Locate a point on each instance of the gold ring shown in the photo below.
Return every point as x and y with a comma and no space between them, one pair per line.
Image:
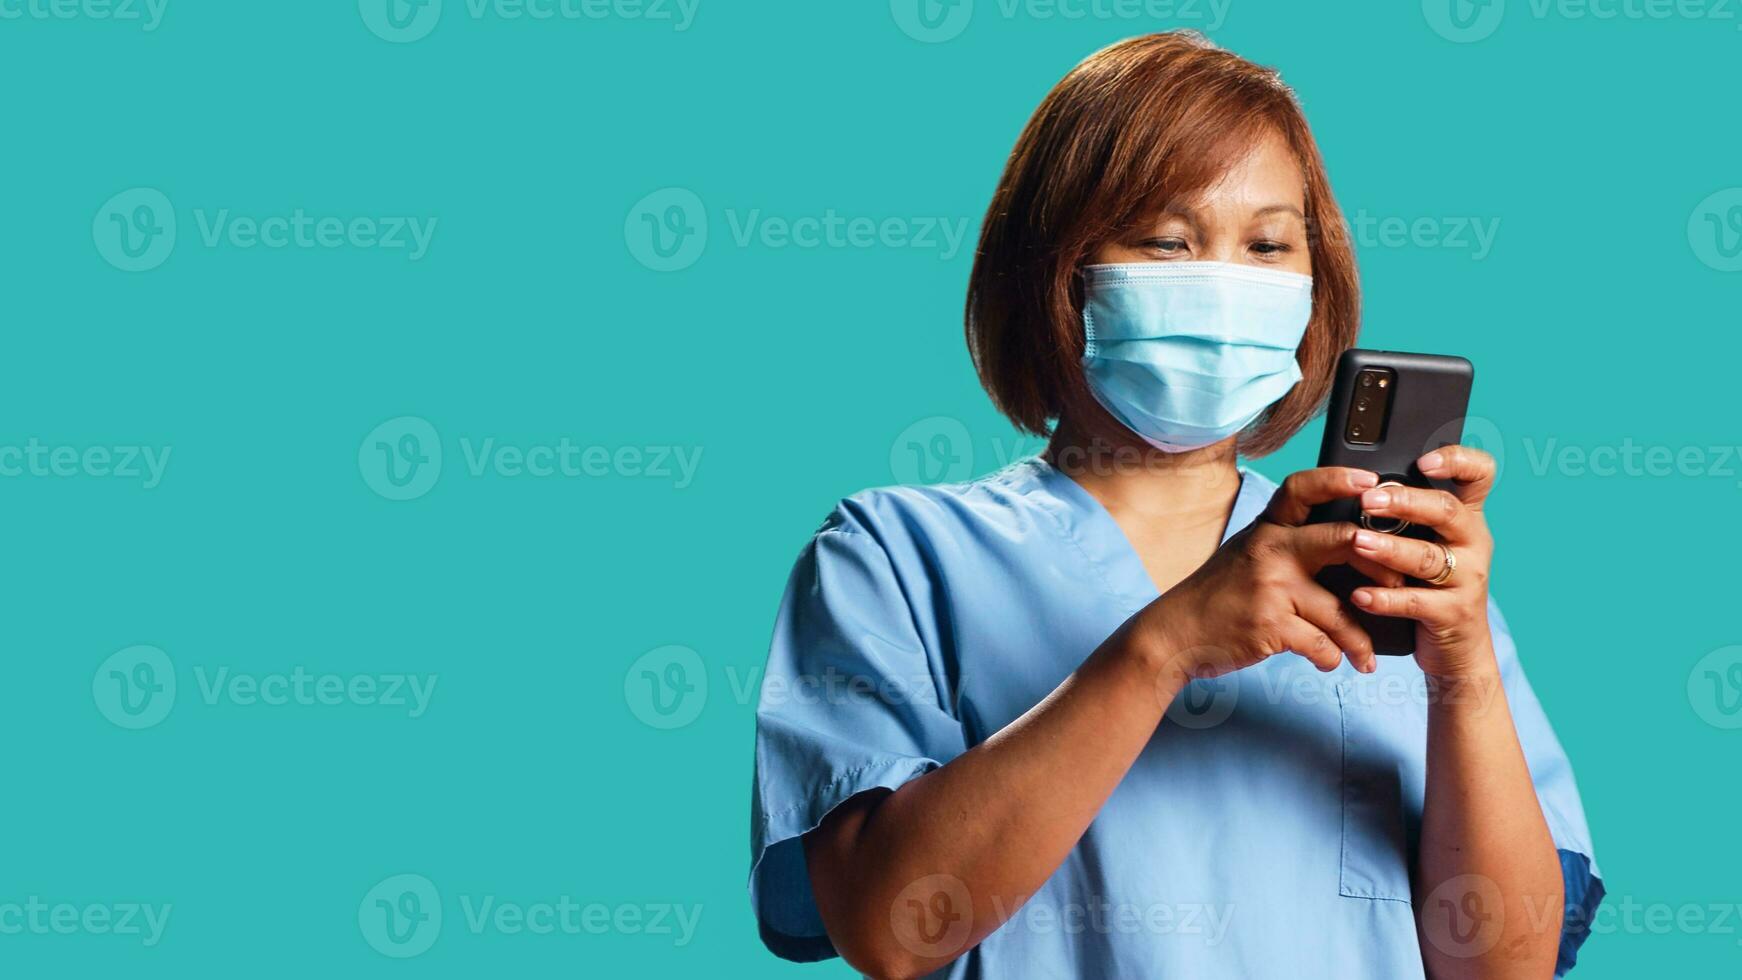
1445,574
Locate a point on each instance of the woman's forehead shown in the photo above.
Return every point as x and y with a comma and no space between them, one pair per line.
1266,179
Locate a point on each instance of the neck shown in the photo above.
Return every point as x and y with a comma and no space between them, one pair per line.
1133,479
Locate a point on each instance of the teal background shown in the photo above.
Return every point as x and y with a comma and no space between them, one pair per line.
1599,315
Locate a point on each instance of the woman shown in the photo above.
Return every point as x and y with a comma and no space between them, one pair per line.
1091,716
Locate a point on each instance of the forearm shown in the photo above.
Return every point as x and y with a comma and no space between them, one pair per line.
1484,841
997,821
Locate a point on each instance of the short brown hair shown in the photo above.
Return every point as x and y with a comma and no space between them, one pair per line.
1149,120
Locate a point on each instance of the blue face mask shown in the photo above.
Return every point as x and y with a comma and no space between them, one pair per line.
1186,354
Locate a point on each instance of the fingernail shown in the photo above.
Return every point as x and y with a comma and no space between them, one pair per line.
1362,597
1368,667
1375,498
1363,480
1432,461
1366,540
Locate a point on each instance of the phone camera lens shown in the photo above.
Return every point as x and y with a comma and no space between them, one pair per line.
1366,380
1357,431
1362,404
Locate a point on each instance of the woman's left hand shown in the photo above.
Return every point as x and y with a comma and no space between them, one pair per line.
1452,635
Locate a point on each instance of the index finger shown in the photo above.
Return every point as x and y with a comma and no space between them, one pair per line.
1308,488
1471,469
1318,545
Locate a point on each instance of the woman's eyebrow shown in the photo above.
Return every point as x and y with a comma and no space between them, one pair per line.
1185,214
1279,209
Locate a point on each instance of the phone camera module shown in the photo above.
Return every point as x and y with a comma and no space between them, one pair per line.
1370,407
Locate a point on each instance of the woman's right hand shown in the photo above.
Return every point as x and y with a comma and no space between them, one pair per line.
1256,596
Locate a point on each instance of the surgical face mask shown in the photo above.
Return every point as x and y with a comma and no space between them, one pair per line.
1186,354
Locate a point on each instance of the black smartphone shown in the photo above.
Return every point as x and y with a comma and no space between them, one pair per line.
1388,409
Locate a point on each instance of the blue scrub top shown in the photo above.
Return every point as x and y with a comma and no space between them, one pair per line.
1269,827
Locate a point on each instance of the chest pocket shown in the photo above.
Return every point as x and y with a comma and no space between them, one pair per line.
1382,737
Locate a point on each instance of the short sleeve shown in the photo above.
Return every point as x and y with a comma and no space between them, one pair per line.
1552,773
850,702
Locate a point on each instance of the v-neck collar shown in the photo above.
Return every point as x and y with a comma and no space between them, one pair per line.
1086,521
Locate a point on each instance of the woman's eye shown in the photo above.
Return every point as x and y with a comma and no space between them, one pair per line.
1166,246
1269,248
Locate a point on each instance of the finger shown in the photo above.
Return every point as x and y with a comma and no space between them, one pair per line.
1376,573
1435,607
1302,491
1437,509
1318,545
1424,560
1311,642
1471,469
1327,612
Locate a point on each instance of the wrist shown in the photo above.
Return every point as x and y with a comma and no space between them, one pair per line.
1465,681
1156,650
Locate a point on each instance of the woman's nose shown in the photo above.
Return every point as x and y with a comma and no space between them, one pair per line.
1217,250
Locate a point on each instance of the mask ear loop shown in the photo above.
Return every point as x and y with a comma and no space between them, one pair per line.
1080,299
